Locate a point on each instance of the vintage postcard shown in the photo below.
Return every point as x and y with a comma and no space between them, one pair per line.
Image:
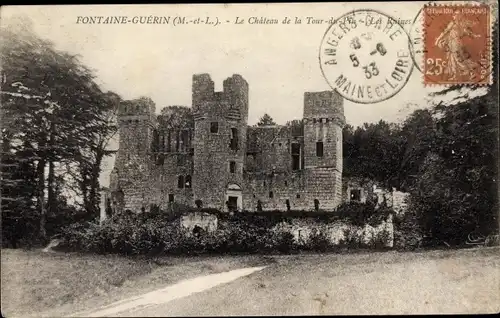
250,159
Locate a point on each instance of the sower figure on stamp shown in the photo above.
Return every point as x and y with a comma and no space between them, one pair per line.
451,41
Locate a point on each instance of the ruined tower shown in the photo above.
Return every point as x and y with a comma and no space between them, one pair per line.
129,179
219,141
323,123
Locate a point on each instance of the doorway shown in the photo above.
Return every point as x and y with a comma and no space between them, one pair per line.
234,200
232,203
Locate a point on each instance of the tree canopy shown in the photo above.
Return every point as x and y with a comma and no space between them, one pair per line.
266,120
176,117
445,156
56,123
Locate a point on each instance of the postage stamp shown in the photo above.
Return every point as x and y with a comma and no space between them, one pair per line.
457,44
365,55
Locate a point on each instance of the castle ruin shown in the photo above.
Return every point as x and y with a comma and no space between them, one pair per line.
218,161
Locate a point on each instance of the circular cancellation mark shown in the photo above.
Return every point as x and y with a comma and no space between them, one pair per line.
366,56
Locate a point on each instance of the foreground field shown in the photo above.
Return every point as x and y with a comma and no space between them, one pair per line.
36,283
454,281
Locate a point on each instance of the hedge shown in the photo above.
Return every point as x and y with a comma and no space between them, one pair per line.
241,232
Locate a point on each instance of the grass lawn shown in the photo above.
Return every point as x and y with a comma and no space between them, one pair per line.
361,283
54,284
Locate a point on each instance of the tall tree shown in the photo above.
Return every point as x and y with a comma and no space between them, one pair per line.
266,120
373,151
418,137
456,188
91,155
51,109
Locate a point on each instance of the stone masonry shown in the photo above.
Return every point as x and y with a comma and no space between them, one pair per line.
223,163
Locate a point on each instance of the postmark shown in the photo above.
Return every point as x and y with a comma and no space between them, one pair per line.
417,41
365,55
457,44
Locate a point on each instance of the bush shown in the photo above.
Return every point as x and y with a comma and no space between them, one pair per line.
131,234
319,242
349,240
380,215
152,233
355,212
282,242
407,231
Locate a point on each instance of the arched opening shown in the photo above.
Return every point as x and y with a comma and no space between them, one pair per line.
259,206
316,204
197,231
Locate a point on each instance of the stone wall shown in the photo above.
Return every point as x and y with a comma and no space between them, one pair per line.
103,203
206,221
269,149
370,190
323,123
132,186
357,189
300,188
303,228
400,201
173,179
274,189
323,185
220,138
130,178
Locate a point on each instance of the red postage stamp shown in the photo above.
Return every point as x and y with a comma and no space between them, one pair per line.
457,41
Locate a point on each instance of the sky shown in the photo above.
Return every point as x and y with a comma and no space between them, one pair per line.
279,61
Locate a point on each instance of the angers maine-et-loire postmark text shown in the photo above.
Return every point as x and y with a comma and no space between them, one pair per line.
366,56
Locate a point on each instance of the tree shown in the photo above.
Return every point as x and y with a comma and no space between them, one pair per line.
173,122
462,195
445,156
91,155
296,127
176,117
52,114
266,120
17,193
456,191
373,151
418,136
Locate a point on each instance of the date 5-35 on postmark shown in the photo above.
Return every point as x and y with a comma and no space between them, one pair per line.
457,41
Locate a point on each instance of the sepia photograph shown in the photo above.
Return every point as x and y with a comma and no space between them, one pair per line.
270,159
